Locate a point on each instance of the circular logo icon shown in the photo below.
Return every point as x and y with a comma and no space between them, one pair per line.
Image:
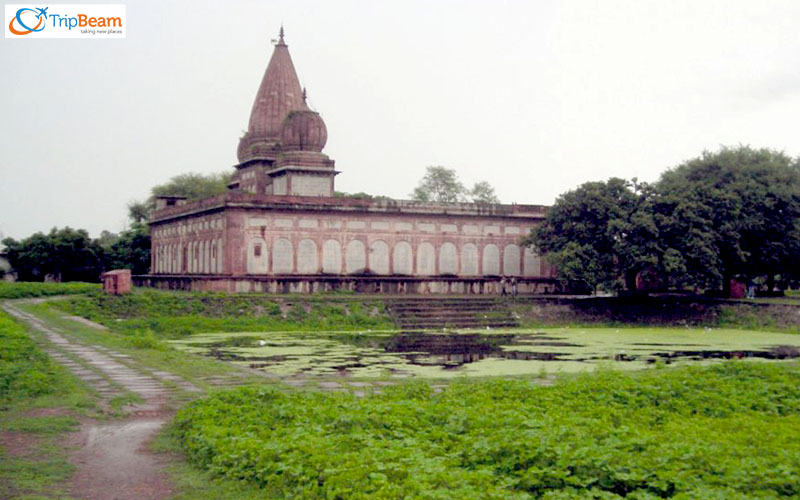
24,29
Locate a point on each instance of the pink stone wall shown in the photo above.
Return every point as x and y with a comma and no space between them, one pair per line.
241,241
367,284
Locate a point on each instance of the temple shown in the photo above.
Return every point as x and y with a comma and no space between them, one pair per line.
279,227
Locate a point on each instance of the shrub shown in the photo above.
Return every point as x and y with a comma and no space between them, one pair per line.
726,431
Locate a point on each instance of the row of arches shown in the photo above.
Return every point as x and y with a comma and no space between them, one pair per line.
194,257
378,258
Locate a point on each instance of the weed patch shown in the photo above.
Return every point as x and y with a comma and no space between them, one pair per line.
25,289
725,431
178,314
25,371
30,385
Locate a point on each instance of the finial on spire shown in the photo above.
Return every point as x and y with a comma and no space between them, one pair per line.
280,36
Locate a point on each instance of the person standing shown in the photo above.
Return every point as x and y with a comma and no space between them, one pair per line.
503,290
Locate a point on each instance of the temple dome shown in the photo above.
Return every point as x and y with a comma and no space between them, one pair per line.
303,130
278,94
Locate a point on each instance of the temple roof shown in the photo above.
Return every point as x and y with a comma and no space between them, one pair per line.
278,94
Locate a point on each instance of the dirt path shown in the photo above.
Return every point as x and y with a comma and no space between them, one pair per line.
111,459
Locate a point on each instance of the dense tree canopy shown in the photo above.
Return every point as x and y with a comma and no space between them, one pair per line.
734,213
70,255
128,250
730,214
596,235
62,254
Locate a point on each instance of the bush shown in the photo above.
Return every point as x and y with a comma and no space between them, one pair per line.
727,431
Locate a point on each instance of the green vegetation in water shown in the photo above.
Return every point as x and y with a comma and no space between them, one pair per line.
177,314
39,401
724,431
25,289
484,353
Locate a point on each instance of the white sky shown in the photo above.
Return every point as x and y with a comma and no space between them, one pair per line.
536,97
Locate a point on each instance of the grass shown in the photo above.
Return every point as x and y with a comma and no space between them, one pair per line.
39,402
193,483
610,435
117,403
26,289
200,371
175,315
726,431
50,425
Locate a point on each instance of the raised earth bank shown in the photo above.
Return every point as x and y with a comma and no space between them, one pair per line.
659,310
176,314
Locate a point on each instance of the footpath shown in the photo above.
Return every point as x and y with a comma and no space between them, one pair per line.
111,456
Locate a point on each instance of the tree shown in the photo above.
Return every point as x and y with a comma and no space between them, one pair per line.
597,235
734,213
193,186
441,185
483,192
130,250
139,211
64,254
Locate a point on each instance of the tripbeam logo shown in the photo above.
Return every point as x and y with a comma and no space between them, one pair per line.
65,21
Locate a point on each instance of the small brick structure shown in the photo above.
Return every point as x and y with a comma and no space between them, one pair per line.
738,290
117,282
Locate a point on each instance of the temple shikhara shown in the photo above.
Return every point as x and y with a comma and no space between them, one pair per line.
279,227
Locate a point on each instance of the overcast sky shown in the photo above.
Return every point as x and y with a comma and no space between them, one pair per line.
535,97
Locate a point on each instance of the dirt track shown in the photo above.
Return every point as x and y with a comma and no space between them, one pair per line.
112,459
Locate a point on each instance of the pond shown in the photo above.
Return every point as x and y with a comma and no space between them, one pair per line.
485,353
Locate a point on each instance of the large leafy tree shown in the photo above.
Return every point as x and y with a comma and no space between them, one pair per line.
64,254
599,235
733,213
128,250
442,185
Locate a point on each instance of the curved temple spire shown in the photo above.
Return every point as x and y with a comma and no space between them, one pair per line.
279,93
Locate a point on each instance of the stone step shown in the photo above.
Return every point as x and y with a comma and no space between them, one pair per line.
464,314
427,313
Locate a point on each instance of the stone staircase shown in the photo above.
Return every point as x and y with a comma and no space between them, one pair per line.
428,313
